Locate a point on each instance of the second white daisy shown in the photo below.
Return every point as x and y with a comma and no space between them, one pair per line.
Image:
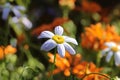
112,49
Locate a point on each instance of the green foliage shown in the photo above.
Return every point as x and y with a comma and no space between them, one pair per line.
23,2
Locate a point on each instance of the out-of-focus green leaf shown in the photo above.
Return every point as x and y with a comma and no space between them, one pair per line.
69,28
33,63
23,2
96,17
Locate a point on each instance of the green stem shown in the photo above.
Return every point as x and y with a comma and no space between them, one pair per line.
97,74
53,66
65,12
54,61
27,53
98,59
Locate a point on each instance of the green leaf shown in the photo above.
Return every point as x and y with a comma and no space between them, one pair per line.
23,2
69,28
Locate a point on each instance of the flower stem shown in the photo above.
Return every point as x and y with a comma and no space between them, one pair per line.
65,12
53,66
97,74
98,59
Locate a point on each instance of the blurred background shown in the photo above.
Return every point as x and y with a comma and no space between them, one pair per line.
22,21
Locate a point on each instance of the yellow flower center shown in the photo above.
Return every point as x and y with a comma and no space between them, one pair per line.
58,39
114,49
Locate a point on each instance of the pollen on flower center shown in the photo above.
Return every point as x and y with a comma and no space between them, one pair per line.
58,39
114,49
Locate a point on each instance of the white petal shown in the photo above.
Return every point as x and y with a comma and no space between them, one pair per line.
109,55
15,19
69,48
58,30
117,58
72,40
110,44
46,34
16,12
48,45
27,22
104,51
20,8
61,50
5,13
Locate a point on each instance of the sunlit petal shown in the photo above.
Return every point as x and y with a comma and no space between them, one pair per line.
69,48
117,58
110,44
109,55
5,13
118,47
46,34
48,45
61,50
58,30
72,40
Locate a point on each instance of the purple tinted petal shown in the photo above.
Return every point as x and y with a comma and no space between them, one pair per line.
109,55
117,58
58,30
69,48
72,40
5,13
61,50
48,45
20,7
16,12
27,22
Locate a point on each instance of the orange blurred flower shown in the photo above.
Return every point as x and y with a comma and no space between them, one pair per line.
69,3
73,65
95,36
7,50
89,6
50,27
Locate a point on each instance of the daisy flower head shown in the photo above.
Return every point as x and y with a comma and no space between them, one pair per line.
57,40
7,8
112,49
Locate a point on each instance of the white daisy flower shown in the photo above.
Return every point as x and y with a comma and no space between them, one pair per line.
57,40
24,20
112,50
